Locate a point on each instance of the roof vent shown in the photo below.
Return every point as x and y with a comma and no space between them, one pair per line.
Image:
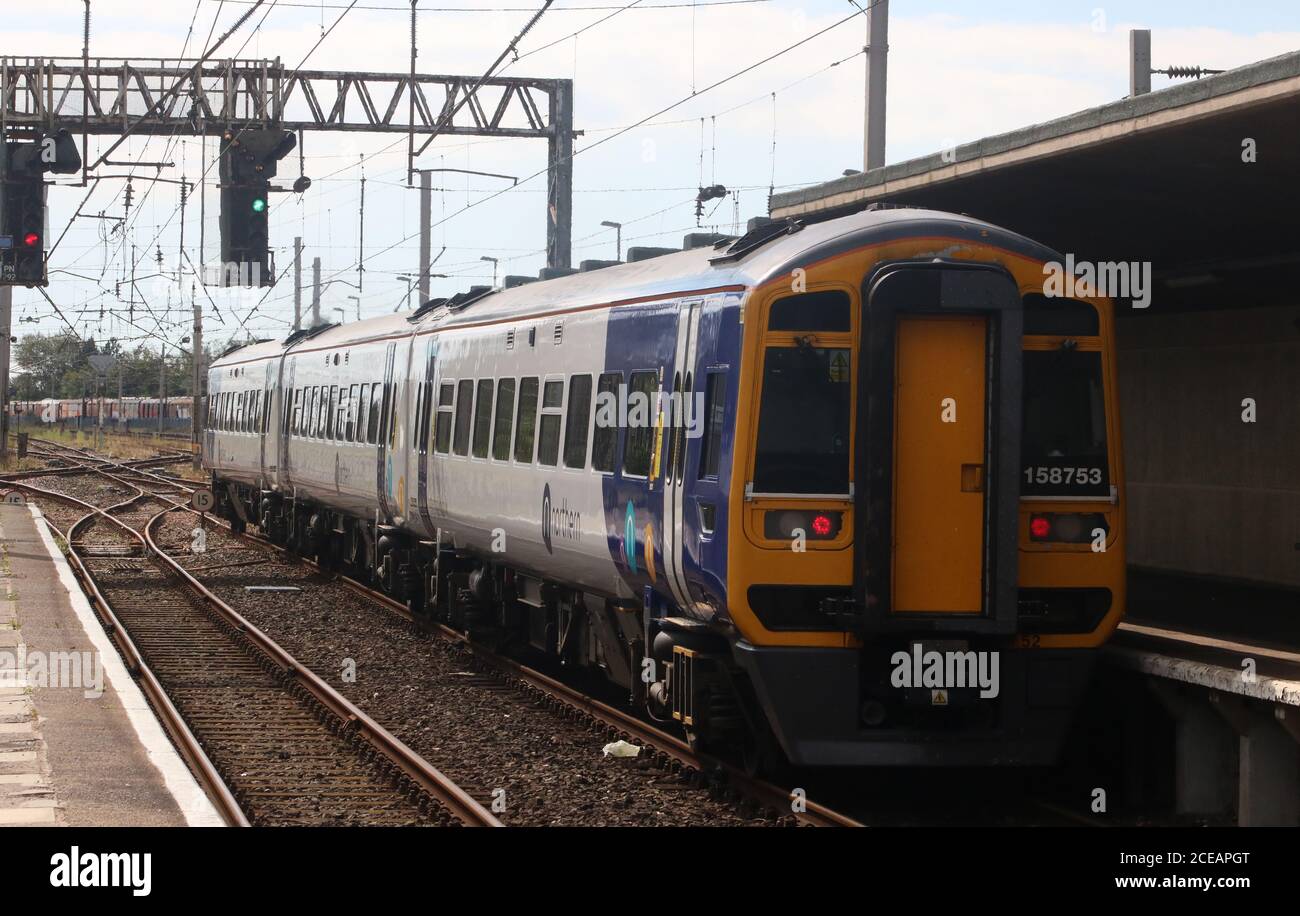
757,238
510,339
426,308
553,273
469,297
642,253
591,265
303,334
704,239
559,333
513,280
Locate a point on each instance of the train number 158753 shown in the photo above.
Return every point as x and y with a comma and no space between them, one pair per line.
1066,475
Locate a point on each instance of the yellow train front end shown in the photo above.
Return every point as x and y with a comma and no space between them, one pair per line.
927,500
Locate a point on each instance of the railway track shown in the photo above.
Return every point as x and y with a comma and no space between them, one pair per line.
271,743
665,752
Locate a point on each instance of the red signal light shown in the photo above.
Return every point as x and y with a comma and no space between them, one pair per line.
31,240
1039,527
821,525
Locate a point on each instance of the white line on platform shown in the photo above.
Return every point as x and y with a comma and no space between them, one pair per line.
190,797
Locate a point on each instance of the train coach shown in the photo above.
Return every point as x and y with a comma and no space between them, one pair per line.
848,493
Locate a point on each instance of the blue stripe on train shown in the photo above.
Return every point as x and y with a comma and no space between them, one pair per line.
641,338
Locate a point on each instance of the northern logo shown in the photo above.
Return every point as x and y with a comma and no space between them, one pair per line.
546,517
559,521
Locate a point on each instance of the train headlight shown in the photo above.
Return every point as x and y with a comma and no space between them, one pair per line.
1066,527
816,525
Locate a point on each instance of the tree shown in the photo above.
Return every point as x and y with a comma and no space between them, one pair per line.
56,366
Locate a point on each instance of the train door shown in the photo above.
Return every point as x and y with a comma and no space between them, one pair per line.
937,449
425,407
384,453
263,419
938,498
284,459
680,400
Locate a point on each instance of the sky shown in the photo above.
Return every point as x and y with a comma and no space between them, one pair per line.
958,71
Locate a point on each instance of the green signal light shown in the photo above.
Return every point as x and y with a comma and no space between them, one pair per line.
259,205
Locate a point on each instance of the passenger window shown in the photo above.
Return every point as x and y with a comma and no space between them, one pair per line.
604,440
355,423
577,421
483,418
548,446
349,396
526,420
464,413
332,423
442,428
504,413
376,412
363,404
715,396
390,415
641,409
314,418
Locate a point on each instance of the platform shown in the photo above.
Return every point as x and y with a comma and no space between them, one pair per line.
79,745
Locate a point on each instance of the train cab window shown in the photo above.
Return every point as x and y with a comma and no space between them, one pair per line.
1055,315
363,404
577,421
483,417
442,425
376,413
604,439
1063,442
803,421
548,446
464,413
639,441
828,311
526,420
715,403
504,413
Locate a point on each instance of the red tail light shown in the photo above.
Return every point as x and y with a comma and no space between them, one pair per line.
821,525
1039,527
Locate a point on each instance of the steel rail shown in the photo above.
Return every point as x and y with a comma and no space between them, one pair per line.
459,804
813,814
186,743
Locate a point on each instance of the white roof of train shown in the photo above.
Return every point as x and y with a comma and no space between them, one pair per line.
665,275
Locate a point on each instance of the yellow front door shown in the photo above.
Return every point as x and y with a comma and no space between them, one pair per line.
939,448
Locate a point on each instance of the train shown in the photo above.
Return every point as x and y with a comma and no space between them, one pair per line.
847,493
119,413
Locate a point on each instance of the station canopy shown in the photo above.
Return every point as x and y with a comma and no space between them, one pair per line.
1201,179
